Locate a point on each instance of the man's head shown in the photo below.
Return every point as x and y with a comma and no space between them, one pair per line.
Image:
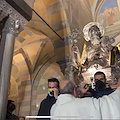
11,106
100,80
68,87
53,83
100,76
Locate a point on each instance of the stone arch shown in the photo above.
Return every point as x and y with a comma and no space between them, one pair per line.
98,9
13,90
24,83
54,13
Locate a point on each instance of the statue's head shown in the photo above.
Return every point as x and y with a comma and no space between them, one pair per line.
95,35
93,32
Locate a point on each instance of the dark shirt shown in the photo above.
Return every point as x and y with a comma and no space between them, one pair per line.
10,116
100,93
45,107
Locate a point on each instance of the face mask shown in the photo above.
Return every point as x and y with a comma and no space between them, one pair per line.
99,85
50,92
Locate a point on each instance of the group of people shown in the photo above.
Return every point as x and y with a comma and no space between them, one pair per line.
63,102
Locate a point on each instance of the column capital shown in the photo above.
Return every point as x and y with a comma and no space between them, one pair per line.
12,26
15,22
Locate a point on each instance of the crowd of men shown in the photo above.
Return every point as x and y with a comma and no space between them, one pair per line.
62,101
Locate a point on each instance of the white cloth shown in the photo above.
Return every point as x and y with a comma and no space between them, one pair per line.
110,106
69,107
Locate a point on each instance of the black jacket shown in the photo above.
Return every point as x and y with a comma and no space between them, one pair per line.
97,94
10,116
45,107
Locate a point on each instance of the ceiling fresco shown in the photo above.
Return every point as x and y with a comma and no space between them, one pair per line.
109,14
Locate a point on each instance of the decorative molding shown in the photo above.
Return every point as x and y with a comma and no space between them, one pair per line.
12,27
6,9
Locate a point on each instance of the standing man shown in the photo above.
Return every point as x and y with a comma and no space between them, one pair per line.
100,86
46,104
68,107
10,108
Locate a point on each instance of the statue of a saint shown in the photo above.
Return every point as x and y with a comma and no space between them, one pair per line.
98,46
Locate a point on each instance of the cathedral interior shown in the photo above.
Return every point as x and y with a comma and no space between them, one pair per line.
52,43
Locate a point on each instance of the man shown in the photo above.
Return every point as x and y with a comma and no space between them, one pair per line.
100,86
10,108
69,107
46,104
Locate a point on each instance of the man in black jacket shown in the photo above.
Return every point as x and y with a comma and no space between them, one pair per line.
10,108
46,104
100,86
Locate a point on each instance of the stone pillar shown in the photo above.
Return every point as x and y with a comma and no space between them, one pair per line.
19,13
7,45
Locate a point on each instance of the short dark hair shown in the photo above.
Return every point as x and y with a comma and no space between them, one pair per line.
9,102
54,80
100,73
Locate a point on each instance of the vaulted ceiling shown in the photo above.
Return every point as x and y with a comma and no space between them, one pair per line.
38,43
39,50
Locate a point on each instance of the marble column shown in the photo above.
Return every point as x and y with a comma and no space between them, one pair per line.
9,34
